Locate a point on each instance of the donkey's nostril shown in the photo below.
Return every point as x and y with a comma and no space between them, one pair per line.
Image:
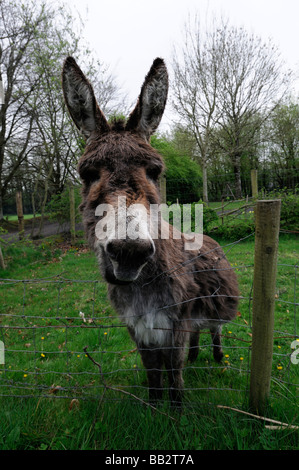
128,257
111,250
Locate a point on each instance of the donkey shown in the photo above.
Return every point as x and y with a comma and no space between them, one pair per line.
164,293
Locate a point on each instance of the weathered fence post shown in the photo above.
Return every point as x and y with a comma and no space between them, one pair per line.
72,214
19,204
267,223
254,184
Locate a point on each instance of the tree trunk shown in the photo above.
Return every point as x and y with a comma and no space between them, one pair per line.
33,195
2,262
72,214
237,172
44,202
1,208
19,204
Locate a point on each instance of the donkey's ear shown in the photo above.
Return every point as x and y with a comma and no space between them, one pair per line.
149,109
80,100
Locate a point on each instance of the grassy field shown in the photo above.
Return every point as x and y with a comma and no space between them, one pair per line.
52,396
14,217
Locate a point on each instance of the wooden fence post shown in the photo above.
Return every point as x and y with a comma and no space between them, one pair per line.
267,223
2,263
254,184
19,204
72,214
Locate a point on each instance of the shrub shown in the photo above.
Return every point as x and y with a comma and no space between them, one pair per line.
183,175
209,216
2,231
289,218
234,231
59,206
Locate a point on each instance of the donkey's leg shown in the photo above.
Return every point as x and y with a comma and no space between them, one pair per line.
216,340
174,362
193,346
153,362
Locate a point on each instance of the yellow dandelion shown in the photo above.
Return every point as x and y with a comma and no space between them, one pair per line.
42,337
25,375
78,355
241,358
226,355
279,367
279,347
42,355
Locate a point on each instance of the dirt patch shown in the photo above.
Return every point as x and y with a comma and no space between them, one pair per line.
49,228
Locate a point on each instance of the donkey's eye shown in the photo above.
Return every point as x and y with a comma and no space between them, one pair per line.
91,176
153,173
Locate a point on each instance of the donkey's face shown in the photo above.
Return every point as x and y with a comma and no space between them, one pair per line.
120,172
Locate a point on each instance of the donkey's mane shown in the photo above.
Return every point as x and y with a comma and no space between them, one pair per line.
117,124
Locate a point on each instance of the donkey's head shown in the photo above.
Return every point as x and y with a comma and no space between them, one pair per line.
120,171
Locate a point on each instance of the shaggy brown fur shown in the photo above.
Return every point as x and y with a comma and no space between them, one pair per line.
164,294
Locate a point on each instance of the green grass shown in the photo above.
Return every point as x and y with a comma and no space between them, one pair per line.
227,205
53,397
39,425
14,217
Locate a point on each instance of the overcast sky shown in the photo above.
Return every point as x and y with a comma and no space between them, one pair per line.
128,35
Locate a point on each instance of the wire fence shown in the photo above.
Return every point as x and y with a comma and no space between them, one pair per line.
60,338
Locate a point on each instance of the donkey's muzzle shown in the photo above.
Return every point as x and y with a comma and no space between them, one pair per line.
128,257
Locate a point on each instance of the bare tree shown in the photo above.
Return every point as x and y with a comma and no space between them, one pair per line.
195,89
284,135
231,80
17,30
36,132
252,82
